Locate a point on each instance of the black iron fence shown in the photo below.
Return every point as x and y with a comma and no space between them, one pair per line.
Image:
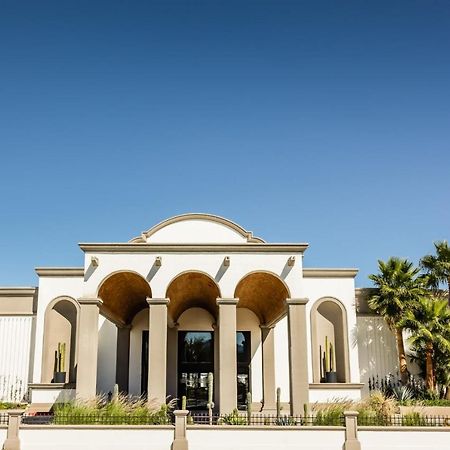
237,419
4,419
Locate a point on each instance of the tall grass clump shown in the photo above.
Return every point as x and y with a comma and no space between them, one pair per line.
122,411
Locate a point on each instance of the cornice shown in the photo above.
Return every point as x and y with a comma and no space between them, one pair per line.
60,271
17,291
329,273
192,248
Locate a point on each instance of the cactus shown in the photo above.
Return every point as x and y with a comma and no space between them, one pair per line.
327,356
183,402
210,404
115,394
249,408
60,358
331,357
278,403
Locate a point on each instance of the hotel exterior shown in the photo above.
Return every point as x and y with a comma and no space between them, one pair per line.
193,295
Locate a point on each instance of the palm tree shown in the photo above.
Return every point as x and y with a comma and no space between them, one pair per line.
438,266
399,288
429,323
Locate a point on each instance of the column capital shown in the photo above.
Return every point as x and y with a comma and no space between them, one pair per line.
227,301
157,301
90,301
351,413
297,301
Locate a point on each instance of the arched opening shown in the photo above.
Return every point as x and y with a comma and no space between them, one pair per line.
124,294
60,339
329,341
192,290
263,293
193,308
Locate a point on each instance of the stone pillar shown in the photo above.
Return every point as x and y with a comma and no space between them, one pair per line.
227,355
351,426
180,441
268,367
87,348
12,435
157,348
123,357
298,354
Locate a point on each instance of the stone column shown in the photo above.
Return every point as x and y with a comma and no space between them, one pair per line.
157,348
351,426
87,348
268,367
227,355
123,357
298,354
180,441
12,435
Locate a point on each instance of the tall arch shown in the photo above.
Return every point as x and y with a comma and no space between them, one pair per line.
192,289
264,293
329,321
61,326
124,294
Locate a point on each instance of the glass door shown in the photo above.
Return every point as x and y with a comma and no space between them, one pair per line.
195,361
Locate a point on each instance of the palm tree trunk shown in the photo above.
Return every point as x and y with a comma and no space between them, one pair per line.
448,290
401,356
429,367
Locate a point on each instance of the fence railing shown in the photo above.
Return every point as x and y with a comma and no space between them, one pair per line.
196,418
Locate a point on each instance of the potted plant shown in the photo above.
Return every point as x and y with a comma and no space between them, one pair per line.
328,363
59,372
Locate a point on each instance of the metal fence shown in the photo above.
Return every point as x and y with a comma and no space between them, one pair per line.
4,419
236,419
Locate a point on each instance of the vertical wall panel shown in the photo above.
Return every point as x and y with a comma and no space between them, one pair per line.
15,340
376,347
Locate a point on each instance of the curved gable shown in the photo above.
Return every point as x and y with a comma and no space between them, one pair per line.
197,229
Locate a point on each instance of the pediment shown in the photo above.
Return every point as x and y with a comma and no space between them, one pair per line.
197,229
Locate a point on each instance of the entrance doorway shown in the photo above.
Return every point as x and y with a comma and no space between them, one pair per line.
195,361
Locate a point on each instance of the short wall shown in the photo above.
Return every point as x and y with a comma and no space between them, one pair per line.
269,438
404,438
73,437
3,430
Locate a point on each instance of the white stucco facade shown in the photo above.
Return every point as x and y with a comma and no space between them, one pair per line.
197,264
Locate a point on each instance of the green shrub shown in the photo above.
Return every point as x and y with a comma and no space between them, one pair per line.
234,418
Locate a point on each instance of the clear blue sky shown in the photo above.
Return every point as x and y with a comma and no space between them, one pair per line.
320,122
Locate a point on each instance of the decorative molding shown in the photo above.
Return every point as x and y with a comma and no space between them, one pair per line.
297,301
157,301
51,386
192,248
197,216
329,273
227,301
17,291
60,271
90,301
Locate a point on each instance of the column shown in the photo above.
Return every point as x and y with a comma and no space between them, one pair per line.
298,354
87,348
227,355
351,430
268,369
157,348
123,357
12,435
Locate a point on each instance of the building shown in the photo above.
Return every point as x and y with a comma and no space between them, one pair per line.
195,294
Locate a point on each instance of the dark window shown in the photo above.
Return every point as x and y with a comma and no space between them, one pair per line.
195,361
243,352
